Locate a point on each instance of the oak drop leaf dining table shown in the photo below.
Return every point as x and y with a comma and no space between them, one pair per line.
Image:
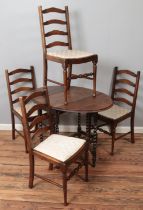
80,100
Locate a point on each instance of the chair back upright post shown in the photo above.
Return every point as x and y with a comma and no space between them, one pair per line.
70,44
114,82
136,91
44,34
68,28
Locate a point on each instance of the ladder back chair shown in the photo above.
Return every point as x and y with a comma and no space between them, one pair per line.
124,95
19,82
67,56
54,148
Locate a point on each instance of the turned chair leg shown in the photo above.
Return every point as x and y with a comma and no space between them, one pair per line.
94,77
65,185
132,130
31,174
13,126
113,132
65,83
69,76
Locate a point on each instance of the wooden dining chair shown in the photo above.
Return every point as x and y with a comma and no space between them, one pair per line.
54,148
124,95
19,82
65,56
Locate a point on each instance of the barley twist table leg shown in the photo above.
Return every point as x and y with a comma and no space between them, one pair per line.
94,139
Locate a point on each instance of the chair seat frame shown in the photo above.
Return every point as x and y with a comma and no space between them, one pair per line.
66,63
11,82
112,123
63,166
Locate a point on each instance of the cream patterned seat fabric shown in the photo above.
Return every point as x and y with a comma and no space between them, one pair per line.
114,112
60,147
69,54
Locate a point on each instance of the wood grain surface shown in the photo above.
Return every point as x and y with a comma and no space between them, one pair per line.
80,100
116,183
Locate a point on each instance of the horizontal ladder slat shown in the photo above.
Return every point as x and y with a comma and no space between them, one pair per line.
53,9
21,89
20,80
127,72
34,95
16,71
57,43
35,108
56,32
37,120
124,100
122,90
126,81
55,21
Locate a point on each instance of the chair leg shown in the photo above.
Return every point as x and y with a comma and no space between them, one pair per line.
113,132
31,175
13,126
25,141
132,130
65,83
86,164
94,78
69,76
65,185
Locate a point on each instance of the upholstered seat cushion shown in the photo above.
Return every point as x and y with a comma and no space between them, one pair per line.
60,147
114,112
69,54
28,107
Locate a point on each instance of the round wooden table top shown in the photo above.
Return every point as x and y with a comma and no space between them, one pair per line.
79,100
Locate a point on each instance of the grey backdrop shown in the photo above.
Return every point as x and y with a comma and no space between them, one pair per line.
113,29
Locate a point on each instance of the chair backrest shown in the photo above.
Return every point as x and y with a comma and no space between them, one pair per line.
46,21
39,127
125,87
19,82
